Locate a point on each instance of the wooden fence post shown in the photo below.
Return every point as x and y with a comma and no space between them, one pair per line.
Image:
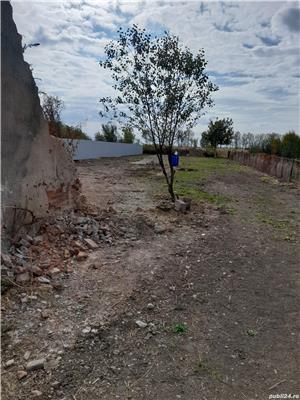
291,172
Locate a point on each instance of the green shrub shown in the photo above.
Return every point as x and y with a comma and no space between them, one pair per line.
290,145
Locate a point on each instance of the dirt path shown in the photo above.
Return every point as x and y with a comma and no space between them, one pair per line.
218,289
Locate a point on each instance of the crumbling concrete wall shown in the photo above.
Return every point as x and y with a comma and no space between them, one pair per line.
37,173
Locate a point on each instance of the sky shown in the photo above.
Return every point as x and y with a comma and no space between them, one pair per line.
252,50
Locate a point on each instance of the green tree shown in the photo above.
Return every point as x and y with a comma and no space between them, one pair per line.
162,89
52,107
290,145
218,133
73,132
128,135
108,134
270,144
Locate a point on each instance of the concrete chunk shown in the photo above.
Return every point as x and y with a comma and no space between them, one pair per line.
21,374
91,244
23,277
5,258
141,324
82,256
36,364
180,205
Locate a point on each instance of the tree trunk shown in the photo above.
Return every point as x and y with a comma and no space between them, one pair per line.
169,180
171,191
172,173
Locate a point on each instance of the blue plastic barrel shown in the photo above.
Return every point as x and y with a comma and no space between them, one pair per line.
175,160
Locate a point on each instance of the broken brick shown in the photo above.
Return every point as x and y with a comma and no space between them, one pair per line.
82,256
91,244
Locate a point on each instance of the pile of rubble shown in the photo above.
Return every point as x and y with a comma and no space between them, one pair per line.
52,246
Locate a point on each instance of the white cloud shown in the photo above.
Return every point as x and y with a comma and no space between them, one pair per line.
252,47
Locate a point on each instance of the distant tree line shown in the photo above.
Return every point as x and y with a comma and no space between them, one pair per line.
287,145
221,133
109,133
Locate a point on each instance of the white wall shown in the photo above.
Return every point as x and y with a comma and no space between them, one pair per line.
88,149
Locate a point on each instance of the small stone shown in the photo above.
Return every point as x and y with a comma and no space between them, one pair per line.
23,278
29,238
32,297
44,280
21,262
37,240
5,258
188,202
91,244
54,271
82,256
150,306
159,229
180,205
45,314
19,269
36,393
86,330
36,270
24,300
141,324
24,243
9,363
81,220
27,355
6,272
79,245
66,253
35,364
21,374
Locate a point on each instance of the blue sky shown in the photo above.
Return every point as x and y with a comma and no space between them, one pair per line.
252,49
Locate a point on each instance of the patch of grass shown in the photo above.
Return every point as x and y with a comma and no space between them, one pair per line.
280,224
251,332
179,328
194,172
269,179
231,210
191,176
200,196
263,201
204,368
200,168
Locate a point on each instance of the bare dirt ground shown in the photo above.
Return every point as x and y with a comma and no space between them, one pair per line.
218,289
